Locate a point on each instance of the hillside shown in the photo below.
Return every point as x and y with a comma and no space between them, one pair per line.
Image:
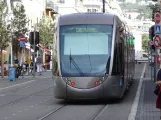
145,11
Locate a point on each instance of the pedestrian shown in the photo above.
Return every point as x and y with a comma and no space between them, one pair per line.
39,64
6,68
158,88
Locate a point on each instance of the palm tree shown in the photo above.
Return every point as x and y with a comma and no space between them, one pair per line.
12,1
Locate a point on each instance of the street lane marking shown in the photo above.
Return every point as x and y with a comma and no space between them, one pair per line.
13,114
133,112
19,111
5,117
19,84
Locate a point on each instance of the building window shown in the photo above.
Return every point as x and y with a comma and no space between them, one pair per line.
94,10
61,1
88,10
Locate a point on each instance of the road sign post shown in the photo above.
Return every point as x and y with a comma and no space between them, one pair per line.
157,41
157,18
22,40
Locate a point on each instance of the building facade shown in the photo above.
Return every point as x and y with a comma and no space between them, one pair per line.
66,7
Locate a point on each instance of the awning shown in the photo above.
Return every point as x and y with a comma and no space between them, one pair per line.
28,47
4,52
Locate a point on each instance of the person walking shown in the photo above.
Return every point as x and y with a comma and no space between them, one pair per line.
39,64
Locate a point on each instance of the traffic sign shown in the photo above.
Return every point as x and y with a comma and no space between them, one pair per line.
157,29
157,18
157,41
22,38
150,43
22,44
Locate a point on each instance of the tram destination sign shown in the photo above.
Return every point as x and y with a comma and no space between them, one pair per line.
86,29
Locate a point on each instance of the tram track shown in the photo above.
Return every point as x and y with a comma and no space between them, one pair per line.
23,98
98,113
22,88
52,112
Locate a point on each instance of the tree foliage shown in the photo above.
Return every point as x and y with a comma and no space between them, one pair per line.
45,30
19,28
145,38
4,31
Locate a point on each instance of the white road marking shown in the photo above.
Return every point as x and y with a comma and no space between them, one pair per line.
31,106
20,111
5,117
19,84
133,112
13,114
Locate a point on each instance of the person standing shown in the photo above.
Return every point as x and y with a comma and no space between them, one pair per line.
39,64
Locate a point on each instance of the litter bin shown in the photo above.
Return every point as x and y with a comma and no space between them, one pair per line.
12,72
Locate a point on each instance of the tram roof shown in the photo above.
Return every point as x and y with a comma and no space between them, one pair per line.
87,18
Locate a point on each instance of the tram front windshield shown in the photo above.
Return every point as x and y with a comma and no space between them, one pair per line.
85,50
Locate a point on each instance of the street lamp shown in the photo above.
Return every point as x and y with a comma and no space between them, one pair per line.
103,6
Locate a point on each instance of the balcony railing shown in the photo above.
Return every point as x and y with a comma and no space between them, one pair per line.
50,5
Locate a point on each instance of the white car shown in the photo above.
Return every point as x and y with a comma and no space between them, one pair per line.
142,57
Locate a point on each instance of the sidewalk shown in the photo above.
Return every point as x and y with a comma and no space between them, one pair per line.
47,73
147,103
5,82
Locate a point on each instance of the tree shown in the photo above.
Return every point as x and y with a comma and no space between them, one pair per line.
19,28
145,42
45,31
4,32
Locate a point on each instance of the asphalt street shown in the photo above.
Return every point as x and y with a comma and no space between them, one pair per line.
32,99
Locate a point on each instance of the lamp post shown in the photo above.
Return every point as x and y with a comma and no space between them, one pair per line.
103,1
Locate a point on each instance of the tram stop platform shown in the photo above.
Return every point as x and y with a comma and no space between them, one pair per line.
147,103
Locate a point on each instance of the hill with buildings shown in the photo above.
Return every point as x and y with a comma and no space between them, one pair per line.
141,7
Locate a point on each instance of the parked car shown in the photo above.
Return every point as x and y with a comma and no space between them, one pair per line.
142,57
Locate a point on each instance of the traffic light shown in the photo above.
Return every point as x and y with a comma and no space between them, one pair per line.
151,35
36,48
31,38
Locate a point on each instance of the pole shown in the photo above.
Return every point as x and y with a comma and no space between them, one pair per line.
11,55
103,6
157,52
34,51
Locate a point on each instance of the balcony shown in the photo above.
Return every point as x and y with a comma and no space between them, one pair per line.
50,6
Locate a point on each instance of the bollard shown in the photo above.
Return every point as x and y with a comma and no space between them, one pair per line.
12,73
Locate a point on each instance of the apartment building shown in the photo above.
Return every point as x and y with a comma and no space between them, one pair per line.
66,7
95,5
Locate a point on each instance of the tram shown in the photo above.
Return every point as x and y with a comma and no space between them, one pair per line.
92,57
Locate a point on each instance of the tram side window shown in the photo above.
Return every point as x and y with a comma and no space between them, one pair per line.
116,70
116,63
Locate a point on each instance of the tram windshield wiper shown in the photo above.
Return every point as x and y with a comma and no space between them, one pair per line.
74,63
